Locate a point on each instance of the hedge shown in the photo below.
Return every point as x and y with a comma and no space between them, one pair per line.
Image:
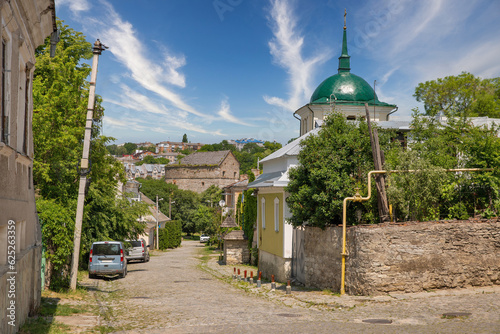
170,235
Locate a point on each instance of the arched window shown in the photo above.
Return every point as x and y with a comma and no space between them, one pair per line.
276,214
263,212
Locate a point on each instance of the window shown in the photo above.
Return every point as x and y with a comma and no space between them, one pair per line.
351,118
27,91
276,214
263,212
223,173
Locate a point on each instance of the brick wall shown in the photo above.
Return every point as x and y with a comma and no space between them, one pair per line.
407,257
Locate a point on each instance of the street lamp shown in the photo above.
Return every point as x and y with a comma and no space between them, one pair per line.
157,229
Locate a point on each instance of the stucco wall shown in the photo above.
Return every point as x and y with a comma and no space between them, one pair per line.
270,240
27,289
409,257
271,264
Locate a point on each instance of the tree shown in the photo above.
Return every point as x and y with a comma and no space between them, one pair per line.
120,151
60,93
332,164
415,196
185,138
211,196
206,220
112,149
249,214
130,147
60,97
462,95
435,146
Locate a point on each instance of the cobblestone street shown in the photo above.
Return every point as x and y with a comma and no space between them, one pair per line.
178,293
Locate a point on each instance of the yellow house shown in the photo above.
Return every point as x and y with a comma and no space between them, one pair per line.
274,235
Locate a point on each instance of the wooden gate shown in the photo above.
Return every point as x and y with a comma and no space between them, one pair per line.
298,258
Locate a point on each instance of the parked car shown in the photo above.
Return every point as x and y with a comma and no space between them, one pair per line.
138,250
204,238
107,258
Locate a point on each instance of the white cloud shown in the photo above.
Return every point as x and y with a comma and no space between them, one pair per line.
121,38
190,127
225,113
286,47
125,123
75,6
139,102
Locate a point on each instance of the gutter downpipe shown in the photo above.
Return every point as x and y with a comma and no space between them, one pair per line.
391,112
358,198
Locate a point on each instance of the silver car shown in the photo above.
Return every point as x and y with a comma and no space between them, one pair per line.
107,258
138,250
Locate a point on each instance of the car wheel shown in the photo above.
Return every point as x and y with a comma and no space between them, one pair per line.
122,275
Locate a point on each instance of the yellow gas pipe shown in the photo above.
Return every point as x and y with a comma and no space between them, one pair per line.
358,198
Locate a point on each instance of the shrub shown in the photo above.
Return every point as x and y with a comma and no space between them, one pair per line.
170,235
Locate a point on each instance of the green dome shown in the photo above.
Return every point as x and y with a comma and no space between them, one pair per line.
344,87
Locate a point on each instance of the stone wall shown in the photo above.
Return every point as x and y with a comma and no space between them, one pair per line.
200,178
407,257
236,252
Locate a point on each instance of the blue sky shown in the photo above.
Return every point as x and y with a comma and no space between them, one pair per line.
229,69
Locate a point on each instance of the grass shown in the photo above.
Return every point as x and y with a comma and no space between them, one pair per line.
64,302
50,306
41,325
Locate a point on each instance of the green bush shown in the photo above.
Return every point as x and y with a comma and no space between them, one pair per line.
170,235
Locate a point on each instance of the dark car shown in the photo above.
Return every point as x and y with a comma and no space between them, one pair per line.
107,258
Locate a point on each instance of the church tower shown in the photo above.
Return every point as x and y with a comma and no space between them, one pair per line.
344,92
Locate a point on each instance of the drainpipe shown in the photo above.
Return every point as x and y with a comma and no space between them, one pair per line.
300,121
358,198
392,112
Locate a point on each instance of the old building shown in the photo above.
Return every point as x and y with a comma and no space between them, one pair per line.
233,191
25,25
343,92
200,170
173,146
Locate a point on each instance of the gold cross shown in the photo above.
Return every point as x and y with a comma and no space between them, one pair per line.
345,14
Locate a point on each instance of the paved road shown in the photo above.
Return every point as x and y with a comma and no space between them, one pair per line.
171,294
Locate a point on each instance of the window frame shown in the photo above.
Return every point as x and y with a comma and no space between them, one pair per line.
276,214
263,212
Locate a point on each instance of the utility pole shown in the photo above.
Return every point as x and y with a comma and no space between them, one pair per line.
157,229
378,162
84,165
374,113
170,207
